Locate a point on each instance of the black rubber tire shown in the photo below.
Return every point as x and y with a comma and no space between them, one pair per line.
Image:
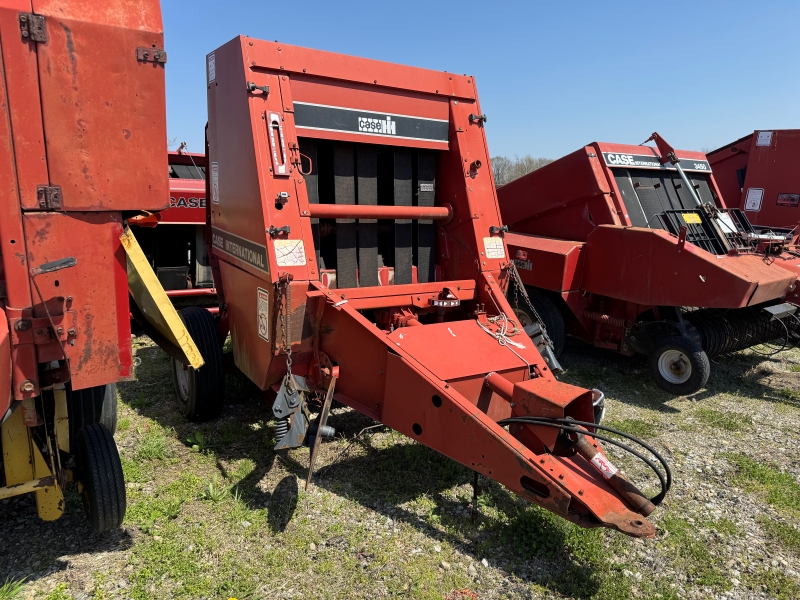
692,355
99,471
201,392
548,311
92,405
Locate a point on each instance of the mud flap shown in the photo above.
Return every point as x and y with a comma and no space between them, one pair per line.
154,309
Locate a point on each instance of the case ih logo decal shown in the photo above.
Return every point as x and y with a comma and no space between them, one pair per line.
253,254
383,127
321,117
645,161
187,202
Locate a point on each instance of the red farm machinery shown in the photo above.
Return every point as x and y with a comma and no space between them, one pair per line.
760,174
82,91
632,249
358,255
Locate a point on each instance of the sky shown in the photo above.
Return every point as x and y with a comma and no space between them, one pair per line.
552,76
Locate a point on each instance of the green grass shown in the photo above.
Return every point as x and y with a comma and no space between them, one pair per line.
795,368
789,394
11,589
727,420
775,583
779,489
692,554
634,427
154,444
787,535
59,593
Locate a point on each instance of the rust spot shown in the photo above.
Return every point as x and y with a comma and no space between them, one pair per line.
72,58
20,257
41,234
126,133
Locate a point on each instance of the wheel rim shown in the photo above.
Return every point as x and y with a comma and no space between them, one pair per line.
182,376
523,318
674,366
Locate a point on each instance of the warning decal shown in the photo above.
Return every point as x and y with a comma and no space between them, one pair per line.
753,199
212,67
604,465
764,138
493,247
215,182
290,253
262,308
691,218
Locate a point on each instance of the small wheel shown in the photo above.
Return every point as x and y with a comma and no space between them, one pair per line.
200,392
101,478
92,405
679,366
548,311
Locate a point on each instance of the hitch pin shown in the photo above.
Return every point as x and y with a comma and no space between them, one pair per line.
610,473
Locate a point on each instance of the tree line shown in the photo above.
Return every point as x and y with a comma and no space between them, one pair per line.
507,169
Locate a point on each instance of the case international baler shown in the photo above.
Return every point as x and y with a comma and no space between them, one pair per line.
632,249
83,109
357,252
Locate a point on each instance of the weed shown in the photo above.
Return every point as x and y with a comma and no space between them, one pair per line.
123,424
779,489
154,445
775,583
789,394
795,368
141,401
199,441
150,521
786,534
59,593
729,421
11,589
173,508
634,427
216,491
693,554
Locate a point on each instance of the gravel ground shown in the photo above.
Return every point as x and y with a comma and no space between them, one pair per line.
230,519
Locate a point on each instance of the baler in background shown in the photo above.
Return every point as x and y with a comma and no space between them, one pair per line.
632,249
357,252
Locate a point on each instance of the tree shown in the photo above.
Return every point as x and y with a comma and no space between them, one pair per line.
508,169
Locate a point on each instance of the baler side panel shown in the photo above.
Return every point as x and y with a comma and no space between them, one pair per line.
555,265
775,169
23,98
100,104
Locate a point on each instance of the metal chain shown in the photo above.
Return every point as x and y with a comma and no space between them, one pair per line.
287,337
519,286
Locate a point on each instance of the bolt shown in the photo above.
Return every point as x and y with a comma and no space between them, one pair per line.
561,476
71,331
24,34
580,492
23,18
27,386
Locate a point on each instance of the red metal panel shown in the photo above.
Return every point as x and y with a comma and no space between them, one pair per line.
725,162
549,264
5,363
91,289
103,110
774,168
648,267
22,80
187,203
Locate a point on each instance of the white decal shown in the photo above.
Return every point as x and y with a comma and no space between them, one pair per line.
212,67
764,138
620,159
262,301
753,199
604,465
382,126
493,246
290,253
215,183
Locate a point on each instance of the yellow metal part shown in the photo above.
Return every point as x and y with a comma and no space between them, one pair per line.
24,464
154,304
62,421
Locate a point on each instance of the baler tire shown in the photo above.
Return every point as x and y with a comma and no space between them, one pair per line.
200,392
691,354
92,405
99,471
548,311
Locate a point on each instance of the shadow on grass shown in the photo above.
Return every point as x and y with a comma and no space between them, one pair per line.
382,478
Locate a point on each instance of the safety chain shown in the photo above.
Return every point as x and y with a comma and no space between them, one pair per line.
519,286
286,321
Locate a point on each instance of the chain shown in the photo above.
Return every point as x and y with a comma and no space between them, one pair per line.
519,286
286,311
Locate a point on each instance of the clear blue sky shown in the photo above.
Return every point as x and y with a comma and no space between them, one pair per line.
552,76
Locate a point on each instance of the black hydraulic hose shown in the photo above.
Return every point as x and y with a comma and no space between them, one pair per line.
569,426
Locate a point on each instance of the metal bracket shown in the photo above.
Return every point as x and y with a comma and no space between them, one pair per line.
494,229
49,197
477,118
154,55
276,231
32,27
252,87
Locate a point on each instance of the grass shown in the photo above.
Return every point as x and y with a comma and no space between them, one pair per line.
786,535
634,427
795,368
727,420
777,488
11,589
692,554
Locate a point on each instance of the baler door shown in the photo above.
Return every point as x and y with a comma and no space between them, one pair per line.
103,103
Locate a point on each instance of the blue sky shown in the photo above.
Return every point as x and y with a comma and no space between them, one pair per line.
551,76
